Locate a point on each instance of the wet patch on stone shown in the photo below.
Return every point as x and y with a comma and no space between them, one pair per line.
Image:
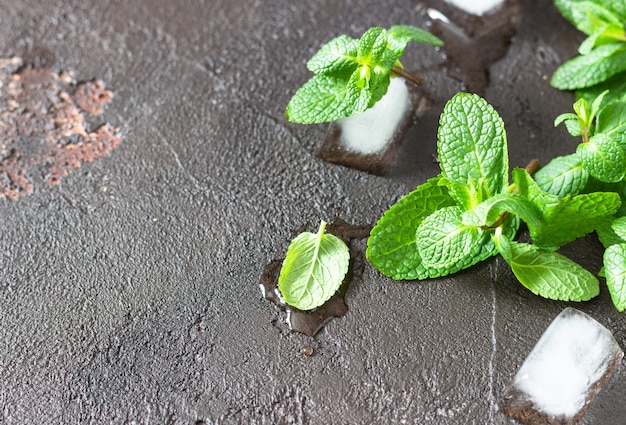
311,322
335,152
44,129
473,43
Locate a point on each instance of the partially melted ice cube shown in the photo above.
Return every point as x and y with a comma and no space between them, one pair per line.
564,372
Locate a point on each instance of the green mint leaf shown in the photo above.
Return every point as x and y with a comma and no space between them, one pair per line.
372,47
596,104
337,56
615,273
313,269
619,227
572,123
323,98
399,36
564,219
488,212
593,68
607,234
612,119
360,92
443,239
615,85
606,34
551,275
391,247
472,145
603,157
587,16
562,176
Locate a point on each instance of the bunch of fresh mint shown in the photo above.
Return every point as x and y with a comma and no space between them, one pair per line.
352,75
601,64
470,212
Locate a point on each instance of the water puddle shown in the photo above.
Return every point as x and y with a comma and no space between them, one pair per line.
311,322
474,42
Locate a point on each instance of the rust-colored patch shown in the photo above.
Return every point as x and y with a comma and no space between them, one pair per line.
43,126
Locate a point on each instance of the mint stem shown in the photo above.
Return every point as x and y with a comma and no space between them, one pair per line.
407,75
531,168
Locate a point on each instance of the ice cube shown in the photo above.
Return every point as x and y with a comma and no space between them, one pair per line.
564,372
370,131
476,7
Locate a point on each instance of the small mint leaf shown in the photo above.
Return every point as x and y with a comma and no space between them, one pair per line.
336,56
612,118
399,36
619,227
323,98
313,269
603,158
551,275
564,219
562,176
472,144
595,67
615,273
586,16
607,235
391,247
372,47
616,86
572,123
488,212
443,239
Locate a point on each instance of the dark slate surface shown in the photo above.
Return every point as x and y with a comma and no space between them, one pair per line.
129,292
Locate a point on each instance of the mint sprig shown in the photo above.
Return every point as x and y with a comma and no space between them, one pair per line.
478,212
352,75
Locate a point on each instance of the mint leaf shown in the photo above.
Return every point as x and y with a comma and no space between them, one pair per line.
615,85
313,269
488,212
564,219
391,247
443,239
372,47
562,176
472,145
572,123
595,67
399,36
336,56
551,275
323,98
587,16
619,227
612,119
603,158
615,273
607,235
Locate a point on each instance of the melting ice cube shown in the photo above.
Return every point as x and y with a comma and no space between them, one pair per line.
564,372
370,131
476,7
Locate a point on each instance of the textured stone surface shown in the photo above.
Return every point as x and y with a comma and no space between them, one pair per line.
129,292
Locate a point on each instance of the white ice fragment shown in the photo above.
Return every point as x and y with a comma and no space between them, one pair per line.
476,7
437,15
370,131
572,355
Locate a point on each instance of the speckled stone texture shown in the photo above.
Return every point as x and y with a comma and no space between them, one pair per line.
129,292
